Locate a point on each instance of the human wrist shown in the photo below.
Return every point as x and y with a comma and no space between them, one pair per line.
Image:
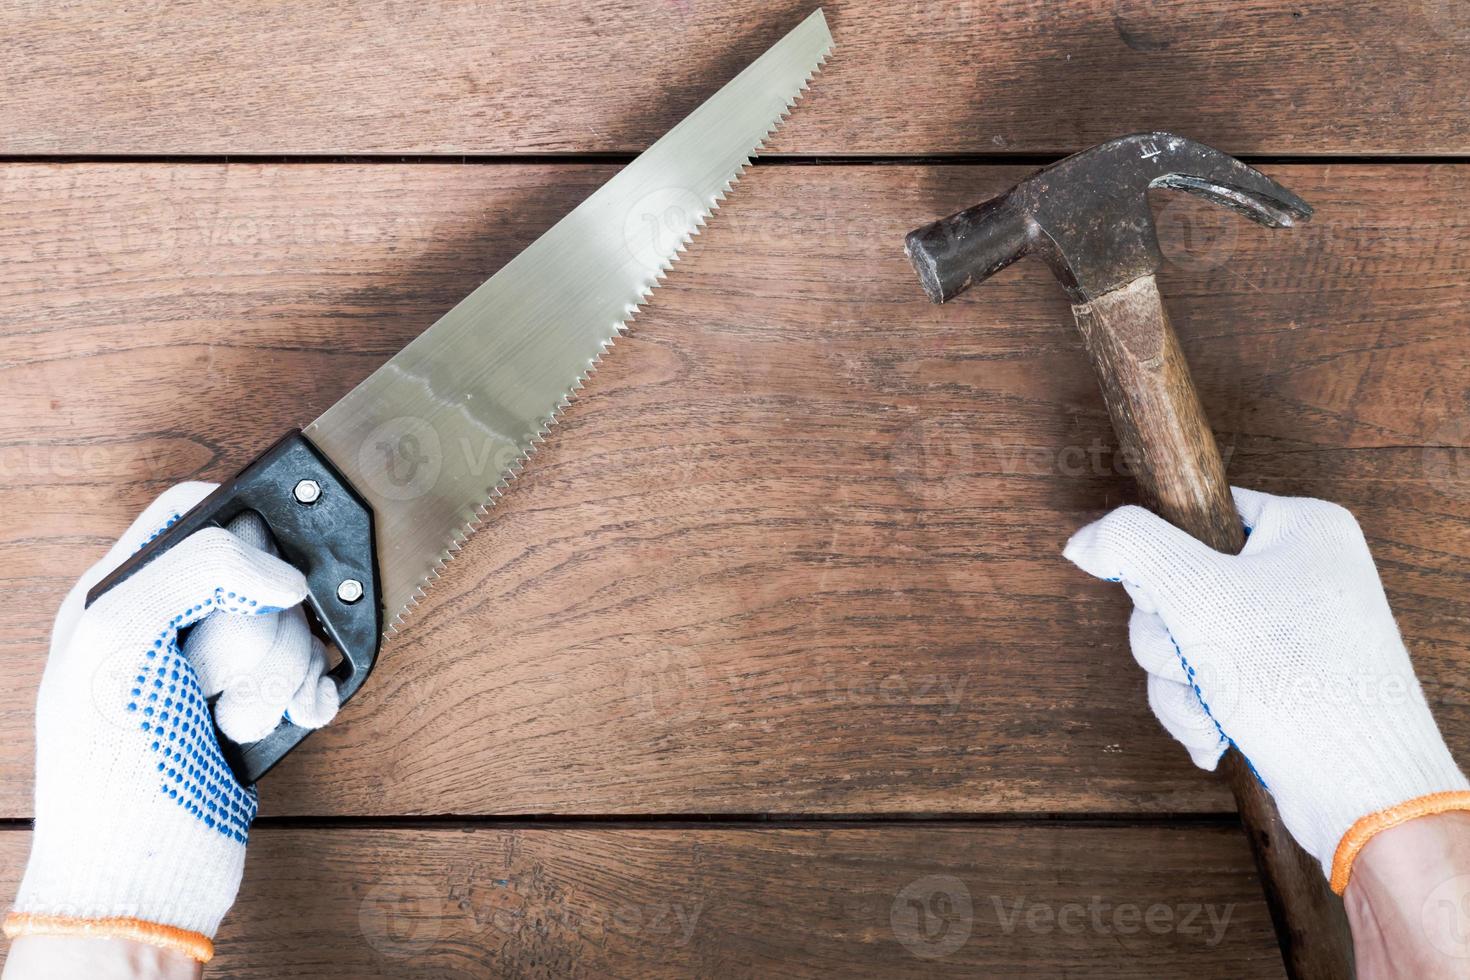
1408,897
37,957
1360,835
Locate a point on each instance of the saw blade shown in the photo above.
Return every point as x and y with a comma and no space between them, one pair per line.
437,433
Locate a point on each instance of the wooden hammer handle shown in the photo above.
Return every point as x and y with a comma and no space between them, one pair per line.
1171,451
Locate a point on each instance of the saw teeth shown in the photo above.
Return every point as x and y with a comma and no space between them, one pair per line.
481,511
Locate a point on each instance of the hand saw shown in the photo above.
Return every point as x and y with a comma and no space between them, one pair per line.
371,500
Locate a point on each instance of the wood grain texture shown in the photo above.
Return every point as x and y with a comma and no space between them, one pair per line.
797,548
1158,420
994,901
909,77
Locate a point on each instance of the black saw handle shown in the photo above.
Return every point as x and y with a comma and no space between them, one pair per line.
329,538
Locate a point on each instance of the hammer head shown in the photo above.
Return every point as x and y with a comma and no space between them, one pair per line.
1088,216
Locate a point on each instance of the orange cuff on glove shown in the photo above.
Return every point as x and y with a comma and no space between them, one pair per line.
1361,832
192,944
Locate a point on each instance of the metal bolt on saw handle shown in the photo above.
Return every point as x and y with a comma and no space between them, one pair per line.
321,526
1162,431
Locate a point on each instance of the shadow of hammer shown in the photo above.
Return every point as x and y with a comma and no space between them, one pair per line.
1088,217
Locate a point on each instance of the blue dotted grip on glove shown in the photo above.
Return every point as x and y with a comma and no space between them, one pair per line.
178,727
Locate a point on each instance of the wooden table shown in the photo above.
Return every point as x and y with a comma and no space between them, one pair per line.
769,665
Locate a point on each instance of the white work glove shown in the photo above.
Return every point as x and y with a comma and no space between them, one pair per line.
140,825
264,668
1290,652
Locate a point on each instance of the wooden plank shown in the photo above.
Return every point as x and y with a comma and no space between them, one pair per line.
995,901
572,76
797,548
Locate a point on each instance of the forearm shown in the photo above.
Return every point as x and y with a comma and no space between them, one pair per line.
85,958
1409,900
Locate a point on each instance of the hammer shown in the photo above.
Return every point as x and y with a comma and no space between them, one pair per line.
1088,217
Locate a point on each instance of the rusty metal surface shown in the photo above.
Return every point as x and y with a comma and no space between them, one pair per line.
1088,216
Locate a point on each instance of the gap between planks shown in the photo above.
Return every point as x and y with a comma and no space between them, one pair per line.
726,821
777,159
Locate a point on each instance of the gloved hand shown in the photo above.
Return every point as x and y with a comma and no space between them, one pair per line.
140,825
1288,651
